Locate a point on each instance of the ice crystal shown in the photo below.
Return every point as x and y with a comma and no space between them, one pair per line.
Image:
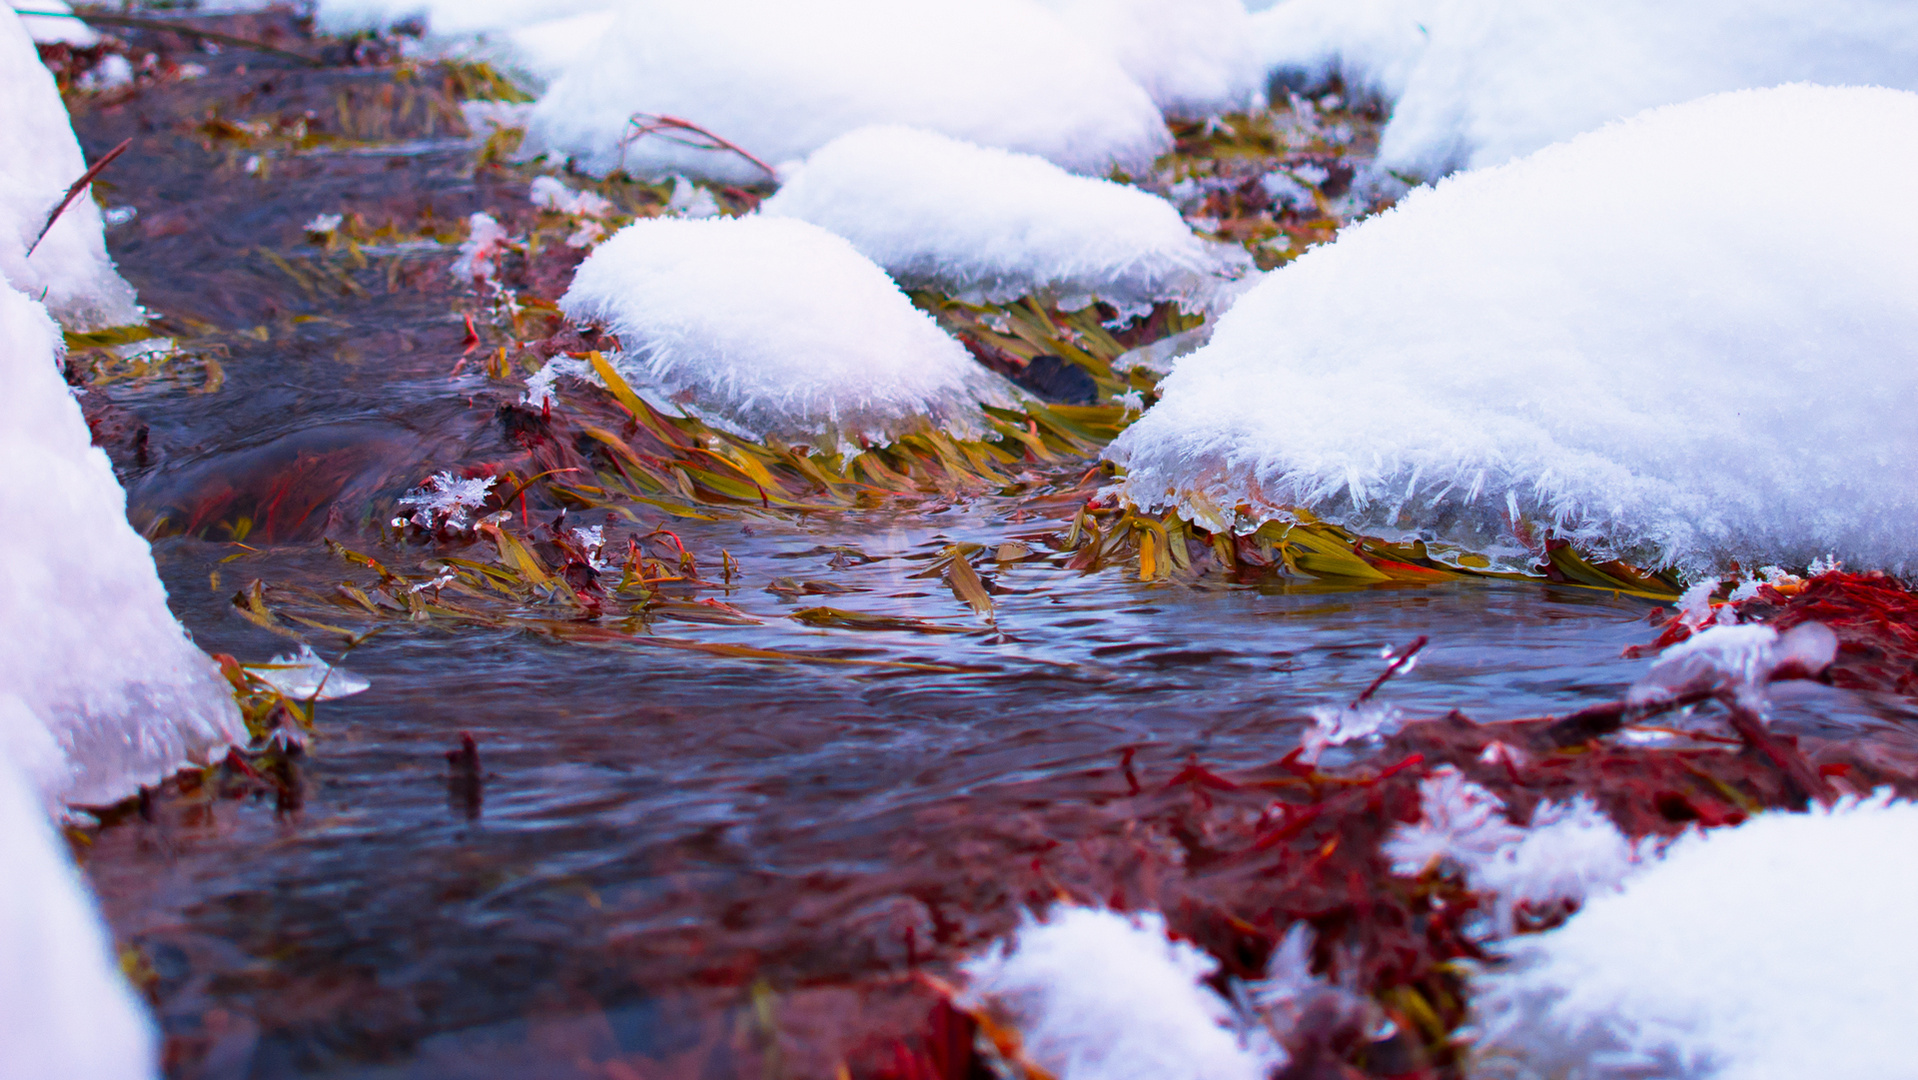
479,255
306,677
444,501
549,194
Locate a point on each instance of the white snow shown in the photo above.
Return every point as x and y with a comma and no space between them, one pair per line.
1780,948
1642,339
781,79
1737,659
1502,78
1098,995
1372,45
549,193
1569,852
771,326
39,158
65,1008
305,676
1194,57
99,665
988,225
51,30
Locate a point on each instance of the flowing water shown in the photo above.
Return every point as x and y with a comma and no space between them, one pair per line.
675,863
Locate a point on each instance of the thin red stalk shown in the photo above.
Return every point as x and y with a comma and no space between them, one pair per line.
74,191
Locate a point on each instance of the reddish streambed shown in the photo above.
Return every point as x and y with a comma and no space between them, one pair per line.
676,864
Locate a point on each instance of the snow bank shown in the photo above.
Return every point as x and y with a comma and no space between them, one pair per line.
1194,57
1098,995
39,157
98,664
1779,948
49,30
770,326
782,79
1641,338
1372,45
65,1009
988,225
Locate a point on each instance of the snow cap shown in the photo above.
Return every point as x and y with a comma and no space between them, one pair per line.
1637,339
768,326
990,225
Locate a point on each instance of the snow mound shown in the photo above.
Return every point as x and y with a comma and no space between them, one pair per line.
781,79
101,669
989,226
1779,948
1194,57
65,1009
1372,45
1098,995
773,327
39,157
1639,339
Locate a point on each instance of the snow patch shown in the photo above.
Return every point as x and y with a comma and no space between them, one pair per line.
774,327
1778,948
1484,351
1098,995
65,1008
989,226
1373,46
1740,660
1194,57
781,80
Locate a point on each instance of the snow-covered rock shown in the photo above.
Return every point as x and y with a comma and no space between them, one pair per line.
1195,57
774,327
781,78
1097,995
989,225
99,666
1778,948
65,1008
39,158
1641,339
1373,46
